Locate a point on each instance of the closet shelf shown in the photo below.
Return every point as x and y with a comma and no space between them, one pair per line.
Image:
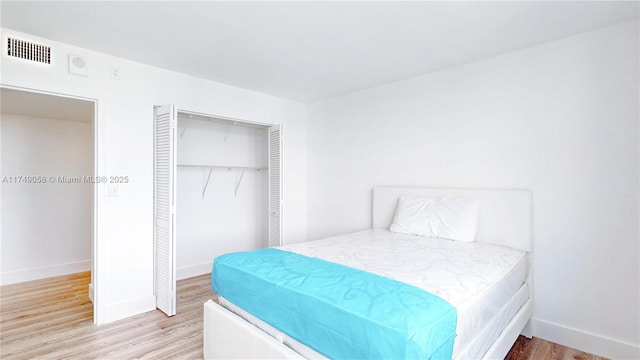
223,167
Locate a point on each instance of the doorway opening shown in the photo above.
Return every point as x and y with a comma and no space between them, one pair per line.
48,189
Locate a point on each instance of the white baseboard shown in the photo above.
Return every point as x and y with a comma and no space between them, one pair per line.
129,308
43,272
584,341
91,292
194,270
138,306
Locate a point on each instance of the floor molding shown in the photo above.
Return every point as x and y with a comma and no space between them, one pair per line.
130,308
584,341
43,272
186,272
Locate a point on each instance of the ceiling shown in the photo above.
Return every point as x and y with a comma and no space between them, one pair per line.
308,51
45,106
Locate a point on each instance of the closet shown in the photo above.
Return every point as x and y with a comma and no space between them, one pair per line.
47,206
47,197
217,189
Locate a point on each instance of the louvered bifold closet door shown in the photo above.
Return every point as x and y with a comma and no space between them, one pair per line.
164,233
275,185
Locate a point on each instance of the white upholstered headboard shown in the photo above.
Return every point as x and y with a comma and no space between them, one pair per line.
505,215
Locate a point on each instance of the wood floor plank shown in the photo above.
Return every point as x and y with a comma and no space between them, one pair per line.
538,349
53,319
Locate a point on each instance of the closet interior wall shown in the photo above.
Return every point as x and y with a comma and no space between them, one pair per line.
221,191
46,225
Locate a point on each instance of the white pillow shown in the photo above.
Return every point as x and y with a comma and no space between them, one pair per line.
447,218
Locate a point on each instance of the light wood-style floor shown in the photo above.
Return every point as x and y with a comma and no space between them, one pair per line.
53,319
529,349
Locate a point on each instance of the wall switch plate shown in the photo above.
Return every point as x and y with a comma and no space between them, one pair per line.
112,190
115,73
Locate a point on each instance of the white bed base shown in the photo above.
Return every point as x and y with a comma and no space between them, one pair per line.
504,219
228,336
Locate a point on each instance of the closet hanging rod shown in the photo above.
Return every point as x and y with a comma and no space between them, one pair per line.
223,167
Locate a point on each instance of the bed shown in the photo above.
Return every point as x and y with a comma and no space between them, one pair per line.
487,281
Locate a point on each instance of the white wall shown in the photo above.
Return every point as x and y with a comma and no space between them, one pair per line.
560,119
46,226
125,148
224,220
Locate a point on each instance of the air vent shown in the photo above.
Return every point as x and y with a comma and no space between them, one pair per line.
28,50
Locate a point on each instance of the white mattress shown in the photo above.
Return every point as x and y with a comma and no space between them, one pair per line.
479,279
482,341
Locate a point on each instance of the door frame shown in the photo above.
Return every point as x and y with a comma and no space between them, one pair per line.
176,113
97,256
